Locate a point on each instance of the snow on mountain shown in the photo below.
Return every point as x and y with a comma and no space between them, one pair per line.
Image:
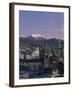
38,36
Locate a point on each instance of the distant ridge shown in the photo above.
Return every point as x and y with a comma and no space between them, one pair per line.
38,40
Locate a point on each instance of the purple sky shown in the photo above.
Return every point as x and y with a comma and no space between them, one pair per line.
48,24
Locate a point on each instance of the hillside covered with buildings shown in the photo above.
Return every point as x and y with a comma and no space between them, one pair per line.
40,57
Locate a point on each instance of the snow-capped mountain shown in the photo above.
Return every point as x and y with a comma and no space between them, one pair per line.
37,36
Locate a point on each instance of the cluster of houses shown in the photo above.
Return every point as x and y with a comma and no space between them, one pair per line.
28,54
36,59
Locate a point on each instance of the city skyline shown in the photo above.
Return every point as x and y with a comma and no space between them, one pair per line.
46,24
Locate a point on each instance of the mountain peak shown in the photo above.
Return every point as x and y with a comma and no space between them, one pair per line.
38,36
